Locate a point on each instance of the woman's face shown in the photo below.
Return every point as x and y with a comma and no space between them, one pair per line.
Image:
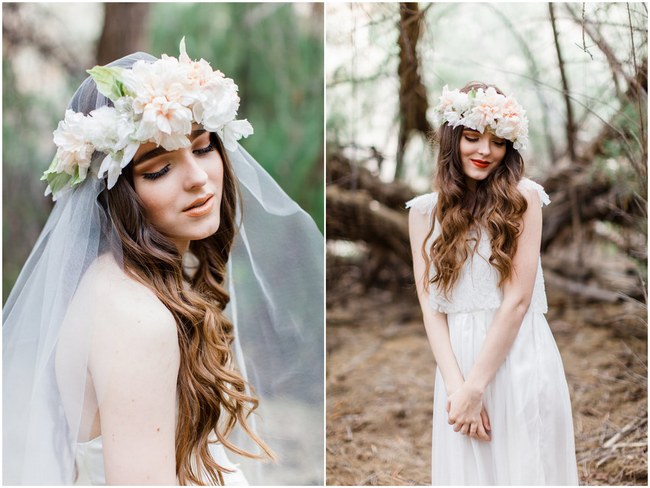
181,190
480,154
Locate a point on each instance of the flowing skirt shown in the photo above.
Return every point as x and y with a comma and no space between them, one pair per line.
528,406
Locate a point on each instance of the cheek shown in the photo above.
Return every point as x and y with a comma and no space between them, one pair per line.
156,200
501,154
215,174
464,148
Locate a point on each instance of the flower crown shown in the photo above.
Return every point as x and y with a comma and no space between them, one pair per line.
153,102
479,109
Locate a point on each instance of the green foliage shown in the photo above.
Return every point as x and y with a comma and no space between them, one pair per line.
275,56
108,81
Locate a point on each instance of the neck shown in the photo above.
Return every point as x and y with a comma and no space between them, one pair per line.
182,246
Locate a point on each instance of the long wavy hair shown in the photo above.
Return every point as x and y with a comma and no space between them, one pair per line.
212,394
496,206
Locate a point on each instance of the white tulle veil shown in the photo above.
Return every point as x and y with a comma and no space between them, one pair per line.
275,279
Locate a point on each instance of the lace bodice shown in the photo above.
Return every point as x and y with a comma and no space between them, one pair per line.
477,287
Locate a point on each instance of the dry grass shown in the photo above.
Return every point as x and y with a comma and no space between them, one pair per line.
380,388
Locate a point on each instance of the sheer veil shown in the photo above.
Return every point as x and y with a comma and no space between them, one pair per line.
275,279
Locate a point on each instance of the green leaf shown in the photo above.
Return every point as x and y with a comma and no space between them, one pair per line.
57,180
108,81
76,179
51,169
472,93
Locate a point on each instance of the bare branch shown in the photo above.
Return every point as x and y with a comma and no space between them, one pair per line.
606,49
570,126
584,44
638,98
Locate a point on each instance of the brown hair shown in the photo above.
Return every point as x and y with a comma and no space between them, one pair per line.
496,206
212,395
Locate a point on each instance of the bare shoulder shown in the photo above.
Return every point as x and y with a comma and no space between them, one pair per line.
127,311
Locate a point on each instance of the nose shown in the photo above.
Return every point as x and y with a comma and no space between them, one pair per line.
195,175
484,145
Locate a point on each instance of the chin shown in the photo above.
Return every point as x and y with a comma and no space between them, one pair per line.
207,231
476,176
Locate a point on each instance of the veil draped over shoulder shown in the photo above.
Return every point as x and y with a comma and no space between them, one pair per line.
275,279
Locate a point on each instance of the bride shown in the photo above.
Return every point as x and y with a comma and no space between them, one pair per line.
169,308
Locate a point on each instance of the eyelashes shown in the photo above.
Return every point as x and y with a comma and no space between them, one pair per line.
206,149
475,139
154,176
157,174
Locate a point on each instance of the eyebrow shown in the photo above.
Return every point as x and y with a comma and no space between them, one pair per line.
159,150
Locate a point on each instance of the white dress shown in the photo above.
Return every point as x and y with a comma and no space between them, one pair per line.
528,399
90,464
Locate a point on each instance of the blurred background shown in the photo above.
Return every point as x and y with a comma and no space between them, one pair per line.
274,52
580,70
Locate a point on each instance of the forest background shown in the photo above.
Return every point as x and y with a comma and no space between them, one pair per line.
274,52
580,70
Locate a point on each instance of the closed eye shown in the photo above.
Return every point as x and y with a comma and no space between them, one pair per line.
157,174
500,143
205,150
471,139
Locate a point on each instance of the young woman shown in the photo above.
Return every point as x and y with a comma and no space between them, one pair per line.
150,321
502,414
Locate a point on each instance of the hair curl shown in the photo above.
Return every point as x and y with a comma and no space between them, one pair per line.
212,395
496,205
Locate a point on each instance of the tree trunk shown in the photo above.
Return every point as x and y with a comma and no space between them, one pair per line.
355,216
413,103
345,174
124,31
570,125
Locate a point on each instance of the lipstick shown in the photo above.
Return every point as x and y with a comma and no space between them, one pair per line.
480,163
200,207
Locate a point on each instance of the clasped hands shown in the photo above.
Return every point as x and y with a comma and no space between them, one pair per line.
467,413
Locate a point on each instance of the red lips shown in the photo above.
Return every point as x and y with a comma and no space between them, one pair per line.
479,163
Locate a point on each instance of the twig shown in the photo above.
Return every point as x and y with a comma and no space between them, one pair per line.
621,434
584,43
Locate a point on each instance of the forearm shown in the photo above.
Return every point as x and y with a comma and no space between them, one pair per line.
438,334
498,341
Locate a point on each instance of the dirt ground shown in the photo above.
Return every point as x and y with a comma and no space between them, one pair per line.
380,374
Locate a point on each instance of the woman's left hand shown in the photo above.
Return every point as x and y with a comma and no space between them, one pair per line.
464,408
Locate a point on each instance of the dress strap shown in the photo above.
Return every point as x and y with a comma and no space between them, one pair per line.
424,203
528,184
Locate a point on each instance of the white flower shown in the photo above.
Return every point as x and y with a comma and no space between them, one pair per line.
113,163
165,78
483,109
74,149
233,131
218,104
166,123
153,102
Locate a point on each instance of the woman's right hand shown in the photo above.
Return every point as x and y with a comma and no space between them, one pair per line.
483,429
480,430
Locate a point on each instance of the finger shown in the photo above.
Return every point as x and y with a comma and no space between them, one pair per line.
457,427
481,434
451,420
465,429
485,419
473,428
448,406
